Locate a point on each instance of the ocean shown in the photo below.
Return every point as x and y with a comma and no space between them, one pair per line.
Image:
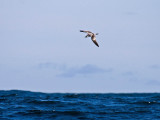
26,105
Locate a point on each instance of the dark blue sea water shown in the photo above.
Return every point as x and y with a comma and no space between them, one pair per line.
25,105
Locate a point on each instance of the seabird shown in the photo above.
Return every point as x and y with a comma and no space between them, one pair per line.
92,35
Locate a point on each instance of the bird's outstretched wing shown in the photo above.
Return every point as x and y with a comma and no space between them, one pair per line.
85,31
94,40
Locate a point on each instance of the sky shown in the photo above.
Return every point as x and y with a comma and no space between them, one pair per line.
41,48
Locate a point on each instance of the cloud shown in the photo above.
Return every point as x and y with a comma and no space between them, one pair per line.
131,13
84,70
128,73
50,65
66,71
155,66
153,83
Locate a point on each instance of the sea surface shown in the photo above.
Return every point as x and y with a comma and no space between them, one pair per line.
26,105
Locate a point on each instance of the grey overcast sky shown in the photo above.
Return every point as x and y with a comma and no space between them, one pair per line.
41,48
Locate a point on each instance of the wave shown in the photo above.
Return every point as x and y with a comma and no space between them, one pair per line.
17,105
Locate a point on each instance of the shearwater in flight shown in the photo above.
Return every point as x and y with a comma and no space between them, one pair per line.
92,35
